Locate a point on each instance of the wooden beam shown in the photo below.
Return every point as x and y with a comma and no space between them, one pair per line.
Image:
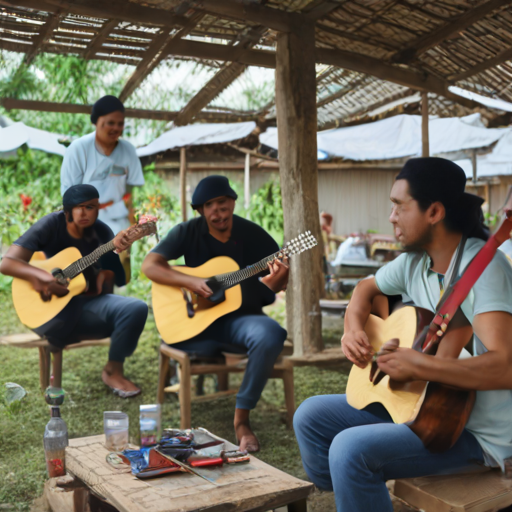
222,79
114,9
502,57
158,115
98,41
247,182
452,28
349,87
276,19
183,183
162,46
297,124
45,32
425,146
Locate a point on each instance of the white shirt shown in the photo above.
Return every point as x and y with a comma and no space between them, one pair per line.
83,163
491,418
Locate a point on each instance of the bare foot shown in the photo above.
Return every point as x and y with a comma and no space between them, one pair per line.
246,438
119,381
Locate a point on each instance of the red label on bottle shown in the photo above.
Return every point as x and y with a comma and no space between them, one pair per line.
56,467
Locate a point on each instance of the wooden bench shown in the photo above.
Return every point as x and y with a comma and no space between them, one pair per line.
233,363
33,340
484,491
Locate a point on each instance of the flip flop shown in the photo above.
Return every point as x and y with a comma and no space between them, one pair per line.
125,394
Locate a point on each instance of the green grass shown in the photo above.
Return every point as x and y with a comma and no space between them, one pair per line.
22,467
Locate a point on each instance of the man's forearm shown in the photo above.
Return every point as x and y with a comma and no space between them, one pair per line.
20,269
163,273
360,306
489,371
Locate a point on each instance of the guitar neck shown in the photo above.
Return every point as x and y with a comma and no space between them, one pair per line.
80,265
233,278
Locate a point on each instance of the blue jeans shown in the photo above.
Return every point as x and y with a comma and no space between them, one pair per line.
120,318
258,336
354,452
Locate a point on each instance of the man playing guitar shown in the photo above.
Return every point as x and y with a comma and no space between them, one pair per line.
354,452
96,314
218,232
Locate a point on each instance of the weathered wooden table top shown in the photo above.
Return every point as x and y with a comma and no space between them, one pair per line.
252,486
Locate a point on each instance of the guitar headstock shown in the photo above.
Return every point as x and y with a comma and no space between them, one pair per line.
301,243
145,226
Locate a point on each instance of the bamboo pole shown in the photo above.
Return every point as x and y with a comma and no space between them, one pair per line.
424,125
247,182
183,183
473,165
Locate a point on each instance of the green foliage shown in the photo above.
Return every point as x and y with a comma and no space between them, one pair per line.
266,209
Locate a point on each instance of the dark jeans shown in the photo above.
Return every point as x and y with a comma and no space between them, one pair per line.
120,318
258,336
355,452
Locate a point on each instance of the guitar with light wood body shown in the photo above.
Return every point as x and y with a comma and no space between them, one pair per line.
181,315
67,267
436,413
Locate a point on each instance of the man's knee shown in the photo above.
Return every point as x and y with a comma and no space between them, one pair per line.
307,414
137,311
269,335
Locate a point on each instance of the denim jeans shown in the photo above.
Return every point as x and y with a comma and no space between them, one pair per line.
258,336
354,452
120,318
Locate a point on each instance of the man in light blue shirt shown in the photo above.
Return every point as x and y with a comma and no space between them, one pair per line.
108,163
354,452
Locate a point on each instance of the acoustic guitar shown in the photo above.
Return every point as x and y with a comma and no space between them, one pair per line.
67,267
435,412
181,315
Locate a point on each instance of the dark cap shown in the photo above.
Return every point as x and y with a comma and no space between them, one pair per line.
209,188
105,106
438,179
78,194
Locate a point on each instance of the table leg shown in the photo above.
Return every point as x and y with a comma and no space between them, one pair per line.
298,506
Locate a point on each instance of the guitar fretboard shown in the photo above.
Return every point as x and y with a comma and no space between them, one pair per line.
80,265
233,278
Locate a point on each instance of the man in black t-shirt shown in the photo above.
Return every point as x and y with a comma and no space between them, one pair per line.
97,314
218,232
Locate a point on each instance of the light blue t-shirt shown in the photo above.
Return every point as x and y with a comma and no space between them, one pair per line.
491,419
83,163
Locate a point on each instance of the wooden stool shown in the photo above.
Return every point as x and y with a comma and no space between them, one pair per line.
33,340
484,491
283,369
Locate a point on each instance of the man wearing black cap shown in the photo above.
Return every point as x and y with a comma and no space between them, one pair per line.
218,232
98,314
354,452
109,163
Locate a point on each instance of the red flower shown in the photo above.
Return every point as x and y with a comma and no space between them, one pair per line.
26,200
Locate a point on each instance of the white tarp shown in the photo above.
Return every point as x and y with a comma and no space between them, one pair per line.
400,136
196,134
496,163
15,135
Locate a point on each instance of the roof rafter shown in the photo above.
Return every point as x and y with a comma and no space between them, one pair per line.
276,19
482,66
161,46
98,41
46,32
454,26
114,9
222,79
137,113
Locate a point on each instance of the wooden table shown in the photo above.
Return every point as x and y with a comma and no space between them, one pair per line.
255,487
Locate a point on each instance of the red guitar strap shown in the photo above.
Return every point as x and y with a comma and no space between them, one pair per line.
459,291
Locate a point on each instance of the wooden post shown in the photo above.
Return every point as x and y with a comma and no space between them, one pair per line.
424,125
183,183
298,168
247,182
473,165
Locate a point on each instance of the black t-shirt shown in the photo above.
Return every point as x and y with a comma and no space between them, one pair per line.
248,244
51,236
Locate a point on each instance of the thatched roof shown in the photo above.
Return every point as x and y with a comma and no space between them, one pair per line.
369,52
